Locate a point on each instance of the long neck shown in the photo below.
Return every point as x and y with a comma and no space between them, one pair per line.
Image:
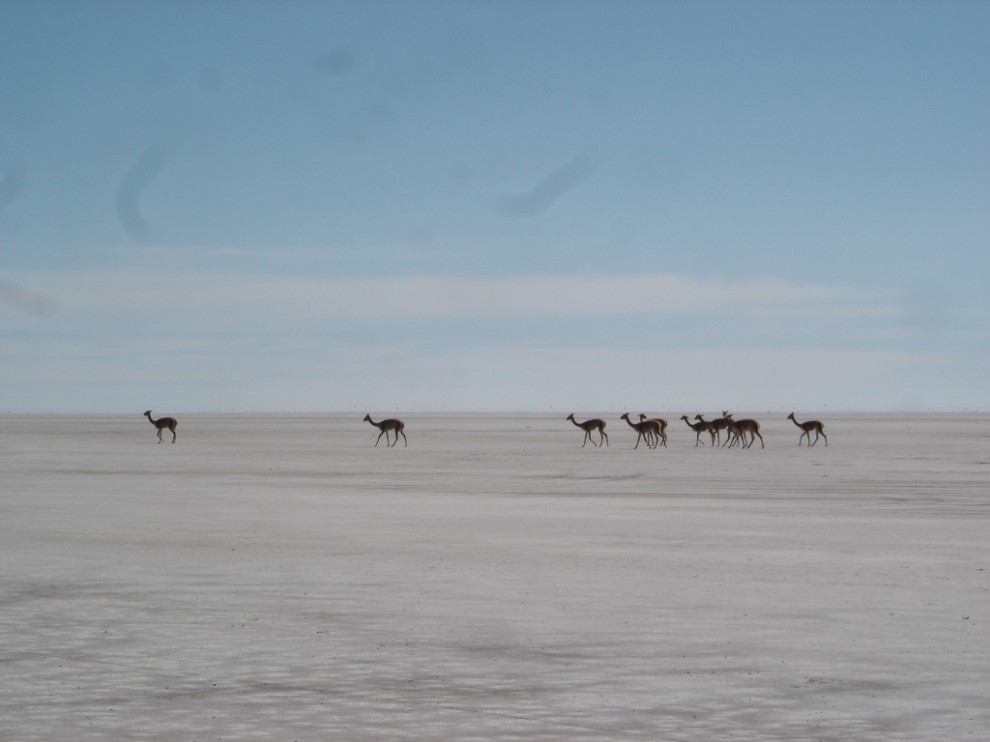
631,423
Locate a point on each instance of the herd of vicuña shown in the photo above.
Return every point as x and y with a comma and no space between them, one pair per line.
650,430
653,430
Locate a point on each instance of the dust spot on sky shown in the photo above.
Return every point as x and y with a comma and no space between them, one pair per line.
549,189
29,302
135,180
333,64
159,75
924,309
211,81
12,180
421,237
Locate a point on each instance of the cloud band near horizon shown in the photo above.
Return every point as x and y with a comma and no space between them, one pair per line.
128,290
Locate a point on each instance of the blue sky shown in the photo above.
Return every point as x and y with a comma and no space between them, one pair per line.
569,206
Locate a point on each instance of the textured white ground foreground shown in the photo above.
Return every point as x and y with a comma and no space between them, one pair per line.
279,578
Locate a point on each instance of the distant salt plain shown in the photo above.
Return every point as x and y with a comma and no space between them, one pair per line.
281,578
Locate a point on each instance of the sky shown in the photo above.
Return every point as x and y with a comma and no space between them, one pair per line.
494,206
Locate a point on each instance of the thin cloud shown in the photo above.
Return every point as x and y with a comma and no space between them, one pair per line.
300,374
694,380
223,299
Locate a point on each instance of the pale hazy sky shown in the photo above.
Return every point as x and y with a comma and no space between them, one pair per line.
570,206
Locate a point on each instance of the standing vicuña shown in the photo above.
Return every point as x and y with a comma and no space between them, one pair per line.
711,426
698,428
739,428
163,423
648,430
807,427
663,427
716,426
393,425
587,426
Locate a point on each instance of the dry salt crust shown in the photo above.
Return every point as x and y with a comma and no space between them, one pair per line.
280,577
